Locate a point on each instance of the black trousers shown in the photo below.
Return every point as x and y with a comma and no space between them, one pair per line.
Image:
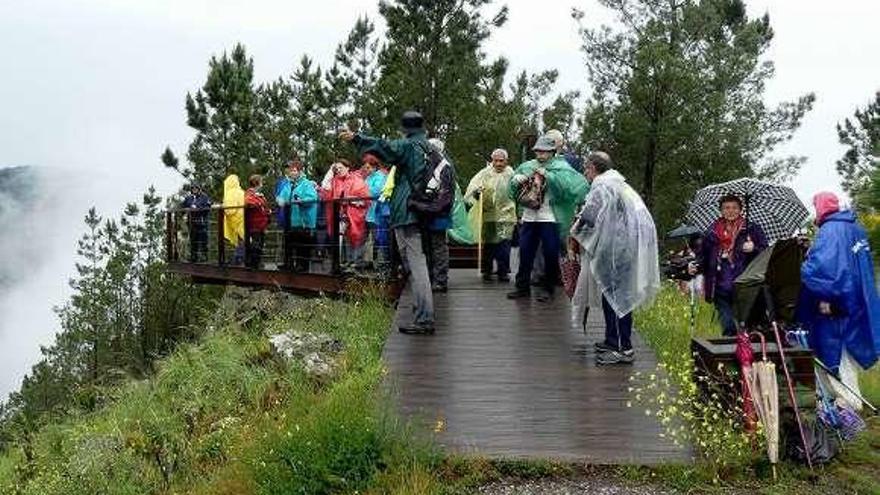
255,249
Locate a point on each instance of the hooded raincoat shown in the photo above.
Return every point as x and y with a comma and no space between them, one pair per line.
300,198
839,270
375,183
233,215
619,239
497,206
351,185
566,188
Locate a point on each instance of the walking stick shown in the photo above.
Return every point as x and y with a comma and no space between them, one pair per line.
791,397
479,235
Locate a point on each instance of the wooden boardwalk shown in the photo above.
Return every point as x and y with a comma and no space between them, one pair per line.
516,379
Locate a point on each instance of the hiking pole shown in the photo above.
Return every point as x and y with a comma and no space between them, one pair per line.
797,415
847,387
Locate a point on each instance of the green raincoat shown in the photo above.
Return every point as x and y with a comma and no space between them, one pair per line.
566,187
409,159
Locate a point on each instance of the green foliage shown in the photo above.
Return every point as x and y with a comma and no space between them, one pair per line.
858,167
680,98
695,413
226,413
125,312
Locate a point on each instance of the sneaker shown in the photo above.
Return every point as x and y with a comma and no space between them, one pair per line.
603,347
519,294
616,357
416,329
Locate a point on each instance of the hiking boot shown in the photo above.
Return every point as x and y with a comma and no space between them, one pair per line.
416,329
439,288
487,277
519,293
616,357
504,278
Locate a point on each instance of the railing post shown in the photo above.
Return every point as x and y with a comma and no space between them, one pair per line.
336,240
221,242
169,248
247,238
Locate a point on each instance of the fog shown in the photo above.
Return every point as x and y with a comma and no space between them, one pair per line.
93,90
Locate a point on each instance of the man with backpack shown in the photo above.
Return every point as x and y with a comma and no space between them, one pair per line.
435,210
410,156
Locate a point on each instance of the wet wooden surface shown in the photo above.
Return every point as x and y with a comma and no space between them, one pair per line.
517,379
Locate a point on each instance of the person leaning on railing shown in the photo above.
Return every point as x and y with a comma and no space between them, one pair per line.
257,214
199,205
342,183
300,195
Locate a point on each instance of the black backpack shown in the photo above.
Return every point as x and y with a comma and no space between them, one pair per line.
433,190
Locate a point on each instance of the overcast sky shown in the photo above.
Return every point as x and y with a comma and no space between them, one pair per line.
96,88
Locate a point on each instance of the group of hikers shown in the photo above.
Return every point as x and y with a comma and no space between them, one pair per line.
555,207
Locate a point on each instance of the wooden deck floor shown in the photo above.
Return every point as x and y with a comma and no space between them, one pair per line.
515,379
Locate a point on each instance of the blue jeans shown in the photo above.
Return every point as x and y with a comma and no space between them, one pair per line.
724,307
618,331
530,235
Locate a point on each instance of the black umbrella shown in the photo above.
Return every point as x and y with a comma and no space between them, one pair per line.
683,230
775,208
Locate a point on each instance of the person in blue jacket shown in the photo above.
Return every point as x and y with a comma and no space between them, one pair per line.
300,195
199,205
839,304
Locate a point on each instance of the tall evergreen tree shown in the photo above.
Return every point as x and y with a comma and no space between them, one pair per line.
680,97
433,61
224,115
860,163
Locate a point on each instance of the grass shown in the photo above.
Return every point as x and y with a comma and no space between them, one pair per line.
227,417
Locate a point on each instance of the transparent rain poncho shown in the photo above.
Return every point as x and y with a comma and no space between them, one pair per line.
619,240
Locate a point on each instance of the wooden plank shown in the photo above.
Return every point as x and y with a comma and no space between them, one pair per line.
310,283
516,379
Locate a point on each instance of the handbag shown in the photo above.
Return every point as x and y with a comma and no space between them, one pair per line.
531,193
569,270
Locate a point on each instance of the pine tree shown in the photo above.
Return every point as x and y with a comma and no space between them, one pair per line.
224,115
680,97
860,163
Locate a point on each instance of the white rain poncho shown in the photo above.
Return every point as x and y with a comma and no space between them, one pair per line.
619,239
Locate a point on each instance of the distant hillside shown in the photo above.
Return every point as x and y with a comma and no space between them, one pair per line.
19,194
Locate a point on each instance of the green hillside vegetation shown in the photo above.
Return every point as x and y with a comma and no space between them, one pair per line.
227,415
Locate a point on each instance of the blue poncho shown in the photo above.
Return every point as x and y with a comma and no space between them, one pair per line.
839,270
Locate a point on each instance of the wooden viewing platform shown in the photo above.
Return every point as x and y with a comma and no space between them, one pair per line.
505,378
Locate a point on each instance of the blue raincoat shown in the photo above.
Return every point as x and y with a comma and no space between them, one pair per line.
839,270
301,197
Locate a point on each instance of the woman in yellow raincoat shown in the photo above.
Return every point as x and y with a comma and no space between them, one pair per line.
233,216
493,214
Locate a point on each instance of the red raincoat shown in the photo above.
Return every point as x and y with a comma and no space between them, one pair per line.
257,211
354,213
